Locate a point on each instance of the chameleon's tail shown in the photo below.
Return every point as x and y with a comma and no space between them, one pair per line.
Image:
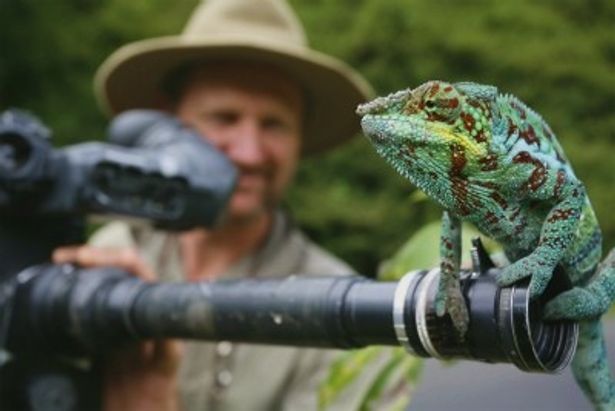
590,365
603,283
591,368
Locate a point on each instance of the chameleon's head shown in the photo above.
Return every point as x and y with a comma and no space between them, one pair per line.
434,133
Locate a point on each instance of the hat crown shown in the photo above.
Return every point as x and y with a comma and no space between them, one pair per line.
266,19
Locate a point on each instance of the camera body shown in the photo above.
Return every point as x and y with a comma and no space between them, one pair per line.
153,168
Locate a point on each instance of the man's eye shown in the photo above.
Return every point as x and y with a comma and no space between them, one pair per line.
219,118
274,124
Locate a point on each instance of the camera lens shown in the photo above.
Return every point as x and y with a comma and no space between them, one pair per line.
505,324
539,345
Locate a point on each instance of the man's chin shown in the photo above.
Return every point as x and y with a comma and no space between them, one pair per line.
247,207
244,214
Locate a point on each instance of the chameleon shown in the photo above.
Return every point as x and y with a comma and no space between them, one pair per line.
487,158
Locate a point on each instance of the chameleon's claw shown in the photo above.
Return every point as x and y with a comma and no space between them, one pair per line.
533,266
576,304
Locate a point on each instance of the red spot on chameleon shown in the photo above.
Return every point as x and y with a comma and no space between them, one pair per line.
458,160
560,180
460,193
448,103
561,215
501,201
522,157
491,218
480,136
529,135
434,90
538,177
489,162
468,121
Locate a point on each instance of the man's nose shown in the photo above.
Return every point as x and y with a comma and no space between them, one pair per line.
246,147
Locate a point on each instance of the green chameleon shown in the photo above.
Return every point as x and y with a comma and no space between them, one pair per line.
488,159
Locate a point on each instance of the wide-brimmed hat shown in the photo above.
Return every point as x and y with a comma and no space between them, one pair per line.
260,31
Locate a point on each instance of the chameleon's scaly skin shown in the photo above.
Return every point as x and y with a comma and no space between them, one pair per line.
489,159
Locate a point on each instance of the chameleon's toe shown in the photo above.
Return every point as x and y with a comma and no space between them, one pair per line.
453,303
459,314
442,295
513,273
528,266
575,304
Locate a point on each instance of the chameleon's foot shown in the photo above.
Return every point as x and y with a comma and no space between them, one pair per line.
533,266
451,301
576,304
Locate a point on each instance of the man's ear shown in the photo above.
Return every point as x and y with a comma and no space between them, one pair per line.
478,91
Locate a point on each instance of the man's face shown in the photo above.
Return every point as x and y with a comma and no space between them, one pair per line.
254,115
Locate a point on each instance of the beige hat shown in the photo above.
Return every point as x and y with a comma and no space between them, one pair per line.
263,31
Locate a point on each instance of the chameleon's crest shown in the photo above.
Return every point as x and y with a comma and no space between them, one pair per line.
478,91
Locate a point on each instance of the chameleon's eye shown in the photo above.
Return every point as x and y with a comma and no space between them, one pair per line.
444,106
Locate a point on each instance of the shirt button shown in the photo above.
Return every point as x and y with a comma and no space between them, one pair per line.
224,378
224,348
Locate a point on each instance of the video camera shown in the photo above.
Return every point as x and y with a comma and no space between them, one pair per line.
153,168
54,316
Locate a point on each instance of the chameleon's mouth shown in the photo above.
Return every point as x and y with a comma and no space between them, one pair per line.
372,128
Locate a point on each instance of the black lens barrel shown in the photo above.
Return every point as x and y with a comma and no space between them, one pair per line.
76,310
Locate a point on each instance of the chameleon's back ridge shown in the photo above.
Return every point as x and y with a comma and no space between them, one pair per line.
488,158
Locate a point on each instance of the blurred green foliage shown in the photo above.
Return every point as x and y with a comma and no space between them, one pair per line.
556,55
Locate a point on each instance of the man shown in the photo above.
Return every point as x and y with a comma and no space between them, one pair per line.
242,75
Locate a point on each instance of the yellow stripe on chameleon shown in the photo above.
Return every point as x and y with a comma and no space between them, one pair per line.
471,146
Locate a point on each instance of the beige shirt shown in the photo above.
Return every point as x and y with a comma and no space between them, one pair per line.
228,376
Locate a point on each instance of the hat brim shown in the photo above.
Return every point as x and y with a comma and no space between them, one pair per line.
132,77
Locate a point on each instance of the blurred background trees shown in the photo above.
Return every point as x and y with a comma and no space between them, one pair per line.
556,55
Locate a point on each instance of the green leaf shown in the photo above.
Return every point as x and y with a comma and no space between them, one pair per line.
394,379
343,372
